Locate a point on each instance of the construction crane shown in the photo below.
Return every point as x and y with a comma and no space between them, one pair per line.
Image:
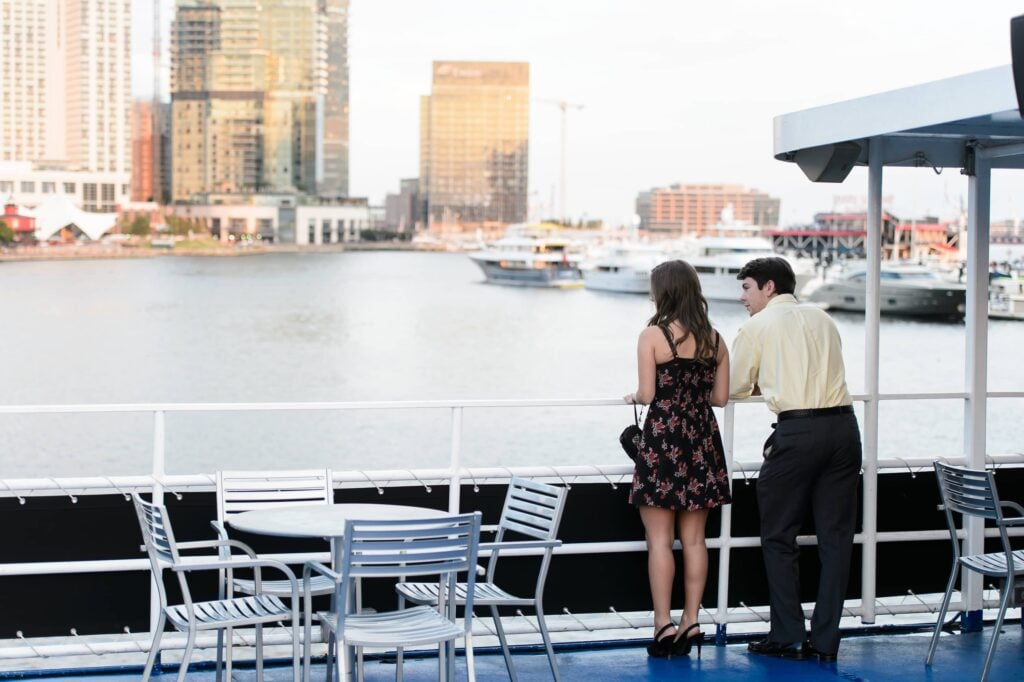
564,106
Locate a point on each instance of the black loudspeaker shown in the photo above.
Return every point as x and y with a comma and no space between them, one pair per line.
1017,52
828,163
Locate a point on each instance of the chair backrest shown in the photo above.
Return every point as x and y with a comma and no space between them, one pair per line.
157,535
158,539
443,546
968,492
532,509
242,491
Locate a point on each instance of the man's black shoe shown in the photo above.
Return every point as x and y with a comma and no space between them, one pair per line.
766,647
810,652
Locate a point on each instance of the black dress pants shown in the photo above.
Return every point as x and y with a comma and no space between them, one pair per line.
809,462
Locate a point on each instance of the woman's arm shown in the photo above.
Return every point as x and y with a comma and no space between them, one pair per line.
720,391
645,368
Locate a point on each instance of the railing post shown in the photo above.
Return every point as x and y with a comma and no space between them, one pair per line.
455,462
159,470
725,533
978,196
872,308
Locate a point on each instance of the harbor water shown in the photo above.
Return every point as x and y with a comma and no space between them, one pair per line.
382,326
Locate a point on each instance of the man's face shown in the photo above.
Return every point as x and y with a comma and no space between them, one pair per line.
754,299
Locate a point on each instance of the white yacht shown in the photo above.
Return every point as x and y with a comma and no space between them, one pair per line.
623,267
905,290
1006,298
719,255
525,257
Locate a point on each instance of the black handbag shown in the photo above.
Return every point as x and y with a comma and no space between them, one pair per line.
630,438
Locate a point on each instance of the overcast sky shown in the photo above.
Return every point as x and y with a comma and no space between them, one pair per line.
673,90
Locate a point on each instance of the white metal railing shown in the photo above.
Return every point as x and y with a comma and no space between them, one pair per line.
456,475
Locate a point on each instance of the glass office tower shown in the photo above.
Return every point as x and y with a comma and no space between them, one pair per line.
474,139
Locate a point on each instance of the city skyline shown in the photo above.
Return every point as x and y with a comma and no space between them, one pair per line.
672,93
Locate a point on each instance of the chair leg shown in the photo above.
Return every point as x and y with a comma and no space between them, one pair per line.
229,652
547,642
1003,603
189,644
307,633
399,660
504,643
154,647
942,612
259,653
332,646
220,655
470,667
296,656
344,659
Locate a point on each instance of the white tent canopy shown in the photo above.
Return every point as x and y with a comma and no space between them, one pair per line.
57,212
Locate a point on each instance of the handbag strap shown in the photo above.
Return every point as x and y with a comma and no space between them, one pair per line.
637,415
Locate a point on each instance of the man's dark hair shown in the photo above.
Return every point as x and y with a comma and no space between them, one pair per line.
771,268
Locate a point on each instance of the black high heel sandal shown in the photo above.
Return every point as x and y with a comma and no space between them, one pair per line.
661,647
682,644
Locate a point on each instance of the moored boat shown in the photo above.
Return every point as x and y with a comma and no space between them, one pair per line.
623,267
527,258
912,290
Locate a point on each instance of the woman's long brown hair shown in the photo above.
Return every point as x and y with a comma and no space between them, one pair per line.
675,289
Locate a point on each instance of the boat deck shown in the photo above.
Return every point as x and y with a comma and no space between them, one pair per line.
862,658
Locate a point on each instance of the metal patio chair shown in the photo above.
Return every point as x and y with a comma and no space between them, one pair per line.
443,546
242,491
972,493
531,509
193,617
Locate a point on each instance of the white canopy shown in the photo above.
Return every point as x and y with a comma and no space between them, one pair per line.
57,212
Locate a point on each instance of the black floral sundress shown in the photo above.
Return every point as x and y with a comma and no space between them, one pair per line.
681,461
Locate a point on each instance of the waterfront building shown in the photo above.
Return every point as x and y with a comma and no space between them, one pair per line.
144,158
402,210
96,97
30,184
23,225
64,103
692,209
474,139
282,217
29,125
259,97
845,234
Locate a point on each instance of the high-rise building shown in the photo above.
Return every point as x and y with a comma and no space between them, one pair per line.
65,85
259,97
97,88
694,208
31,118
474,139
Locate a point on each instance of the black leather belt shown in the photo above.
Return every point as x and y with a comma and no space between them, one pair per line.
817,412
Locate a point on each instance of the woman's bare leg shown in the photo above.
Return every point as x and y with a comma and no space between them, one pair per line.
695,562
661,565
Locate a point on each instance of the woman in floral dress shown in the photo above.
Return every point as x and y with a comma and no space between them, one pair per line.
683,370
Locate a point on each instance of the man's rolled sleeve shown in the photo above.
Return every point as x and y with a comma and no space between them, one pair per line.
744,364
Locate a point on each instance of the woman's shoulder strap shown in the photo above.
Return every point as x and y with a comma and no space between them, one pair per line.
668,337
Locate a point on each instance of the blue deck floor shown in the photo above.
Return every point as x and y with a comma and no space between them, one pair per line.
867,658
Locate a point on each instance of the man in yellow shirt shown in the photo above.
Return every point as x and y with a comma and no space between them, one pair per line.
791,354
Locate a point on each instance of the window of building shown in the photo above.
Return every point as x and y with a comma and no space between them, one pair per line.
69,188
108,192
49,187
6,187
28,186
326,230
89,194
312,231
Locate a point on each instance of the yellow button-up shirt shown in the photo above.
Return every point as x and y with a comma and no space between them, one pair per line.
793,353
